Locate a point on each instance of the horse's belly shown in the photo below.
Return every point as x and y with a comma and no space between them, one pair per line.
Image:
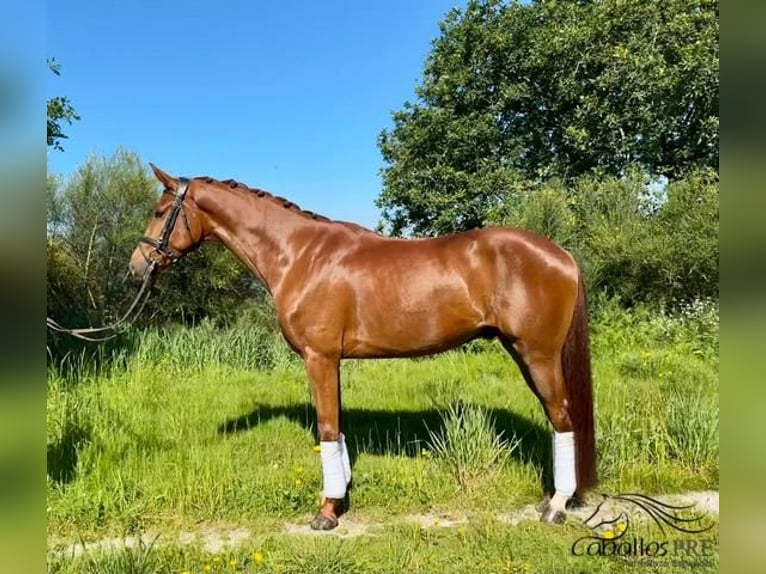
412,330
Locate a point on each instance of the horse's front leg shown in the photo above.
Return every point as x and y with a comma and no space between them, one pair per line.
324,374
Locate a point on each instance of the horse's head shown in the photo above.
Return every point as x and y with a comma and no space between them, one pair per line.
176,227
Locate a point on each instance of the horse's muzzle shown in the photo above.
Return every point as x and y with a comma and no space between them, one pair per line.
139,266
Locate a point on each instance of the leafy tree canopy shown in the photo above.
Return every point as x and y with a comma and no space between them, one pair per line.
515,94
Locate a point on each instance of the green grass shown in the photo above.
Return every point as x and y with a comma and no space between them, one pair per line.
470,445
483,546
195,427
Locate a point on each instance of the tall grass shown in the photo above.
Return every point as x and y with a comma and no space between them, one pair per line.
469,445
138,558
254,347
657,394
692,430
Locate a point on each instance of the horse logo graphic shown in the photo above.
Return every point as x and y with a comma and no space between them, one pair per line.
610,523
610,520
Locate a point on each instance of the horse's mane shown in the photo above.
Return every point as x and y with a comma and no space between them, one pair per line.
281,201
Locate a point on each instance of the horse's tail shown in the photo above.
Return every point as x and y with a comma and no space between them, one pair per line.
575,362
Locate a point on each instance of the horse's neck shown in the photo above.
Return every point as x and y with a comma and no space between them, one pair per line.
256,229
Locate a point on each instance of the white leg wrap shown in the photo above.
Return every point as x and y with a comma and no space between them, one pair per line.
346,460
332,469
564,480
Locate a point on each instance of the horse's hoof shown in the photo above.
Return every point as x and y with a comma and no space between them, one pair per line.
553,516
575,502
322,522
543,504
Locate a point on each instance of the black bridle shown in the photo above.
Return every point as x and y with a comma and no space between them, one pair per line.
162,245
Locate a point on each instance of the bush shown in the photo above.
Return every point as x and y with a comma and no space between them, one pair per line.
686,228
468,444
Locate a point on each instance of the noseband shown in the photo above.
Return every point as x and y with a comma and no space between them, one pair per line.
161,245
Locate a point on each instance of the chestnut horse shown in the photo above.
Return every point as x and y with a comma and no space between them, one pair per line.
343,291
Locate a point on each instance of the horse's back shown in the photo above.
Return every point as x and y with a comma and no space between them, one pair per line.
424,295
491,249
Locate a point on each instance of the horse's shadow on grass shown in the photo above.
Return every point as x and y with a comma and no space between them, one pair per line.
62,455
406,433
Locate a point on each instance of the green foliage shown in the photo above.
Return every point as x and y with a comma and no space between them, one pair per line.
95,222
616,242
469,445
248,346
60,110
662,368
315,557
688,223
635,240
516,93
138,559
693,428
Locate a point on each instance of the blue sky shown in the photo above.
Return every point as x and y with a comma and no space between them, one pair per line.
285,96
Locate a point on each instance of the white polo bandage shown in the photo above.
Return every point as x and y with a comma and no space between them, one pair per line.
332,468
346,460
564,479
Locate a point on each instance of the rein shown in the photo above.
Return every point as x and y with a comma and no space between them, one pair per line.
92,333
160,246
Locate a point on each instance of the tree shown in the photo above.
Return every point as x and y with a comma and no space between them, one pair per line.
94,223
59,110
515,94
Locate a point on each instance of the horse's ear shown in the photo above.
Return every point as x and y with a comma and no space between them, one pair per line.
169,182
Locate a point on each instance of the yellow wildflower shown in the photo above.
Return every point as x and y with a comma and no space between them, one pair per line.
621,527
608,534
317,448
207,568
298,482
258,557
216,559
298,470
232,563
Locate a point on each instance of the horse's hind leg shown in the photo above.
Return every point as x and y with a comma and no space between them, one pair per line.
543,373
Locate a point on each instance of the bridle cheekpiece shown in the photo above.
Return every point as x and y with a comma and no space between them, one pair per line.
161,245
